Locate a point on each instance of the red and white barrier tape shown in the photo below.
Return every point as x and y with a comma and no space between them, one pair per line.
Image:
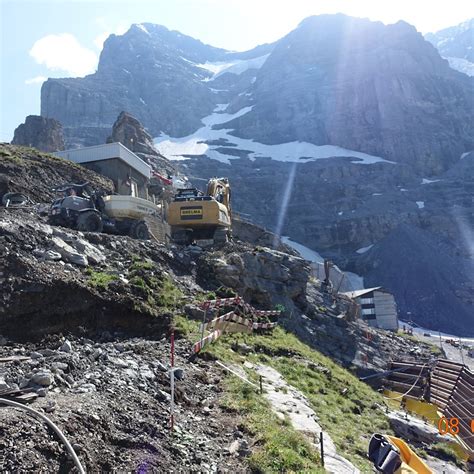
206,340
264,325
222,302
231,316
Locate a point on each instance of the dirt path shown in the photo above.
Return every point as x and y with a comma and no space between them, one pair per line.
288,401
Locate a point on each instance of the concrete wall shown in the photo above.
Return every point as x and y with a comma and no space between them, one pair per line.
119,172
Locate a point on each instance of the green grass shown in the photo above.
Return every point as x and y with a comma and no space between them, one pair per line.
141,265
100,279
446,452
158,291
281,448
349,410
169,295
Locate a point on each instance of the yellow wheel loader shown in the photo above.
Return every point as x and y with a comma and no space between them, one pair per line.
193,215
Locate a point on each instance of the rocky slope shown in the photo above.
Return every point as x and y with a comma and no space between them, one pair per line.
45,134
35,174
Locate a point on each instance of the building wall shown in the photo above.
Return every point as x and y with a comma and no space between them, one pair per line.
121,174
378,309
385,310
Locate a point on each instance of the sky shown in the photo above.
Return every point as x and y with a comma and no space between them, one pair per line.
63,38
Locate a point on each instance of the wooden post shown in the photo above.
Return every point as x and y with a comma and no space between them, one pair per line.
321,443
204,319
261,385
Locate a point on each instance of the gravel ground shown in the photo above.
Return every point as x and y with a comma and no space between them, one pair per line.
111,399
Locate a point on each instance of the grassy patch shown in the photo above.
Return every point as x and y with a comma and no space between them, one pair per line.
157,290
100,279
281,448
349,410
185,327
448,453
141,265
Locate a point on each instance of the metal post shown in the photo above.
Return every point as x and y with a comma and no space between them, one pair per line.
321,443
172,382
460,350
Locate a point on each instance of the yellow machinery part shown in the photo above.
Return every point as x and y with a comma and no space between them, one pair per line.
413,464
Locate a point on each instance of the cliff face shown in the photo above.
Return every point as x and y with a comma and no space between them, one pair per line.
150,72
43,133
363,86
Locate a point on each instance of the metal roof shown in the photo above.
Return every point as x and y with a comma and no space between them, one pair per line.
108,151
358,293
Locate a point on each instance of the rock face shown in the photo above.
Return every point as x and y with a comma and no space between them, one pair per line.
130,132
323,83
151,72
45,134
326,83
264,276
455,41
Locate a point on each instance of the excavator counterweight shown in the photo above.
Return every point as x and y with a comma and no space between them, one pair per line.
193,215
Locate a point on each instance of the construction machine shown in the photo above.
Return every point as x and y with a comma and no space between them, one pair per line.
193,215
77,207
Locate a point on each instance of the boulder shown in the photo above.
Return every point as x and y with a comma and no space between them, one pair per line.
264,276
45,134
68,253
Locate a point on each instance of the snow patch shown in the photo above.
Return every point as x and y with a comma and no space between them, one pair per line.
465,154
420,204
237,66
364,249
142,101
142,27
305,252
297,152
461,65
376,194
428,181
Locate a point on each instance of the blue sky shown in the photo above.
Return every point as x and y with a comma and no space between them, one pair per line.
61,38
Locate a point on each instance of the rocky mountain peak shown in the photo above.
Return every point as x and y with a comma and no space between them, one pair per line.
130,132
45,134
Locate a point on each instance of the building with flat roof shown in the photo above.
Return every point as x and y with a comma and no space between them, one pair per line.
376,306
129,173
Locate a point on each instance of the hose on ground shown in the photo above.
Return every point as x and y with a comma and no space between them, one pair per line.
39,415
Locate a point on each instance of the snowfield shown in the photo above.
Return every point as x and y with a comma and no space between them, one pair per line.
300,152
237,66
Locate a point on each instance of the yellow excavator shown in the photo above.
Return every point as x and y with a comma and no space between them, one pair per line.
193,215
